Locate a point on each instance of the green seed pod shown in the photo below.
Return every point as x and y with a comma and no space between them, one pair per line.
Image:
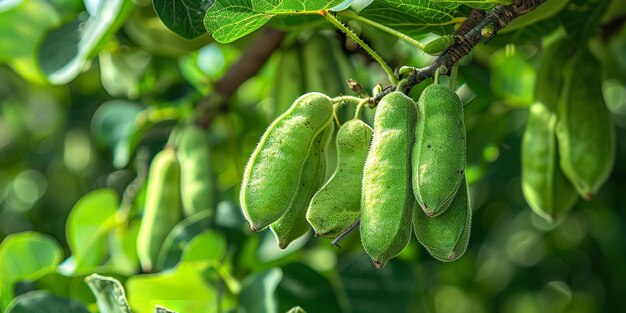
197,179
337,204
288,81
446,236
293,224
439,151
387,201
439,45
585,132
162,208
545,188
272,174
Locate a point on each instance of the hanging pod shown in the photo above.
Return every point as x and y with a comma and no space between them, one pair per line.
387,201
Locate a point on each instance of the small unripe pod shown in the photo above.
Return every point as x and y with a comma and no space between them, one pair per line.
272,174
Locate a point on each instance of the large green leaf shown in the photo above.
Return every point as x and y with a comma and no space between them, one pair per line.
477,4
109,294
21,27
88,224
65,52
257,293
190,286
44,302
412,17
184,17
228,20
182,289
581,17
27,255
293,6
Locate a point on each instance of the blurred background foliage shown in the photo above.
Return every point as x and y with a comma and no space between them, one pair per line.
82,113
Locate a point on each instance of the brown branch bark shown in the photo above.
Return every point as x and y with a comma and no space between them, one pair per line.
466,40
252,59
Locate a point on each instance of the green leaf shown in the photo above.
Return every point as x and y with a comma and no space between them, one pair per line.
208,246
44,302
581,17
229,20
182,289
25,256
257,293
476,4
179,237
65,52
371,290
302,285
88,224
109,294
296,309
21,28
412,17
293,6
184,17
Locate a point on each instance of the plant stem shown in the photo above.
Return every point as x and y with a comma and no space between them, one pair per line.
391,31
333,20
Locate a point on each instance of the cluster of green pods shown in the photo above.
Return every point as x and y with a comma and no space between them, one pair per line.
179,184
405,175
568,146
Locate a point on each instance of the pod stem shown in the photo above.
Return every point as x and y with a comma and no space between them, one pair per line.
345,233
337,23
391,31
359,108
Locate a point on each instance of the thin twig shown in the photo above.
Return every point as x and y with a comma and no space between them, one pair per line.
499,17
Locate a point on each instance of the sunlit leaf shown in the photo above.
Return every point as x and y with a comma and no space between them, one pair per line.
182,289
412,17
477,4
89,222
23,256
21,28
44,302
109,294
229,20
